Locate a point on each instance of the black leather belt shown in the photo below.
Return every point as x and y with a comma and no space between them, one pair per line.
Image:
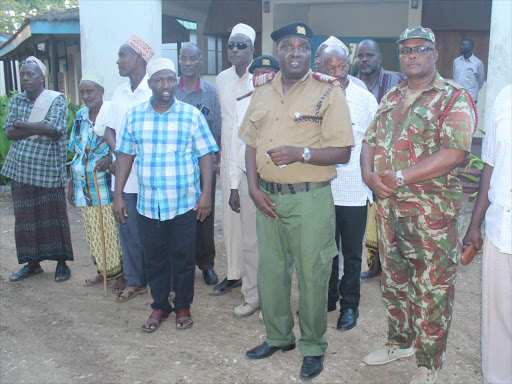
291,189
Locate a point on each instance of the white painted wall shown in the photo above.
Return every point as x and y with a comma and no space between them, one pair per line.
499,73
105,26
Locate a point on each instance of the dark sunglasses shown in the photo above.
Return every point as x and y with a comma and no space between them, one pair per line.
240,46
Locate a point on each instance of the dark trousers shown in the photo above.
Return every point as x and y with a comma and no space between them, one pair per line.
205,252
350,227
169,251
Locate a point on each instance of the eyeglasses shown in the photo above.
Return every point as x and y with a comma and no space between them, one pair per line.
420,50
240,46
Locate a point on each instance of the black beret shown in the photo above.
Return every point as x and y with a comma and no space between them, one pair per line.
264,62
293,29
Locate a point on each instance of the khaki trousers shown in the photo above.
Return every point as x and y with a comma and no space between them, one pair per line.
496,315
249,245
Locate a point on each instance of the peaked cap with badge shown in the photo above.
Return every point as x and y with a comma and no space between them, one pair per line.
264,62
418,32
299,29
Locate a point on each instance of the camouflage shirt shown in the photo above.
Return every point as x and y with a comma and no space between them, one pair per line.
391,130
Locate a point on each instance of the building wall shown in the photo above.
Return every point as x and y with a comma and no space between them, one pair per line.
105,26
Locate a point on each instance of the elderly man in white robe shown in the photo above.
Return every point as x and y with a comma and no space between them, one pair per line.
231,84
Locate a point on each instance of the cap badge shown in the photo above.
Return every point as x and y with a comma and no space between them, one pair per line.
265,62
301,30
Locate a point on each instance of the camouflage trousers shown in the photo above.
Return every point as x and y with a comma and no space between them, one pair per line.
419,257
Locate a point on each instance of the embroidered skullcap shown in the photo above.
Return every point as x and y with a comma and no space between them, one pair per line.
95,77
335,42
39,64
244,29
141,47
158,64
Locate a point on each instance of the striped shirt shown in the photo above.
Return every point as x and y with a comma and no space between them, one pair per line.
88,148
166,147
40,161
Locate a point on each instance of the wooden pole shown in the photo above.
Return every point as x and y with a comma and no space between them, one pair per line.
102,233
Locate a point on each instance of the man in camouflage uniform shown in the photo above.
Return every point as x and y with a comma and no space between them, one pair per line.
296,128
410,162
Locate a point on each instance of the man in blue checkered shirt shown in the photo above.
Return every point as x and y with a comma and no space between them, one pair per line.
172,147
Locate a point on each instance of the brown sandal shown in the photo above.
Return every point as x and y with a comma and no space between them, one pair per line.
156,319
129,293
182,319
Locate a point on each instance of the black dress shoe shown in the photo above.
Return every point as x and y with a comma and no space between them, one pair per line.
347,319
210,277
225,286
266,350
312,366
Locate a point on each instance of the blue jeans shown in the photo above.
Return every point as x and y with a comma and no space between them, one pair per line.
170,251
133,256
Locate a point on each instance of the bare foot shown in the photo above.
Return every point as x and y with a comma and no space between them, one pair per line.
98,279
119,285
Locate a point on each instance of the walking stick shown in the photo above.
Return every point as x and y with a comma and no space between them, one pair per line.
102,233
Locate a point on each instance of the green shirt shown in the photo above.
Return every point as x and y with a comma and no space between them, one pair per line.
420,122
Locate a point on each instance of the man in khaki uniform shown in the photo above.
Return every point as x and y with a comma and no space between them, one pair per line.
296,128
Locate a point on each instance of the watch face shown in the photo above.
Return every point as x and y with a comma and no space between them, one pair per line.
400,181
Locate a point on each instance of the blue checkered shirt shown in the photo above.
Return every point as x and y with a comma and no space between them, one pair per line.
166,147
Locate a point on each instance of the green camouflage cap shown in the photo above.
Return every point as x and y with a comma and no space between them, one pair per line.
417,33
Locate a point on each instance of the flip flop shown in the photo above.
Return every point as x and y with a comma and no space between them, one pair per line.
154,320
62,273
127,295
182,315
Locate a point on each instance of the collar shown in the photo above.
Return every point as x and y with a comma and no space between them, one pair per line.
470,58
437,83
143,85
175,107
379,79
199,85
245,74
277,83
25,96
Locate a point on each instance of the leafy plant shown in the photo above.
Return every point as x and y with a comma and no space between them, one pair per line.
474,162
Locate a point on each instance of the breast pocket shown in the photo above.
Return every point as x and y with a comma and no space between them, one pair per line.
423,131
307,128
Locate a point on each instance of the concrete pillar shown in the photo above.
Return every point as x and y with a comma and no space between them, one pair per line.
499,72
414,18
105,26
267,26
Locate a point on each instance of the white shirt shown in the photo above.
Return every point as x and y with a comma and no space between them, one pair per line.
469,74
237,158
496,152
122,101
229,88
348,188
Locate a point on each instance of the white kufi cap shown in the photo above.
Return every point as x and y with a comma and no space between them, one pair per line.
244,29
335,42
158,64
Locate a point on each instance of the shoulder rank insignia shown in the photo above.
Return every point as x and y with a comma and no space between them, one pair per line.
325,78
266,78
453,84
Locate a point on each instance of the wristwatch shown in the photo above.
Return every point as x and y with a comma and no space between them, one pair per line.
306,155
399,179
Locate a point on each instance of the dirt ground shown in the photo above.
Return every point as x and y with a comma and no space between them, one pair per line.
66,333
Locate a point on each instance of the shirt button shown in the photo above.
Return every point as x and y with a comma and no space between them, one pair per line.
268,162
270,140
282,101
277,118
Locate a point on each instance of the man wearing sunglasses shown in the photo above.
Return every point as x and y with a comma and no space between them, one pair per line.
409,160
231,84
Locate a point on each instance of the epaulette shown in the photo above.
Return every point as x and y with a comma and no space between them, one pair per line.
266,78
244,96
454,84
326,78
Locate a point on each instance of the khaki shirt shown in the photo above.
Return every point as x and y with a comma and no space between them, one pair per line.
270,122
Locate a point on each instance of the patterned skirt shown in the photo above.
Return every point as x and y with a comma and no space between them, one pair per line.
41,225
112,244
